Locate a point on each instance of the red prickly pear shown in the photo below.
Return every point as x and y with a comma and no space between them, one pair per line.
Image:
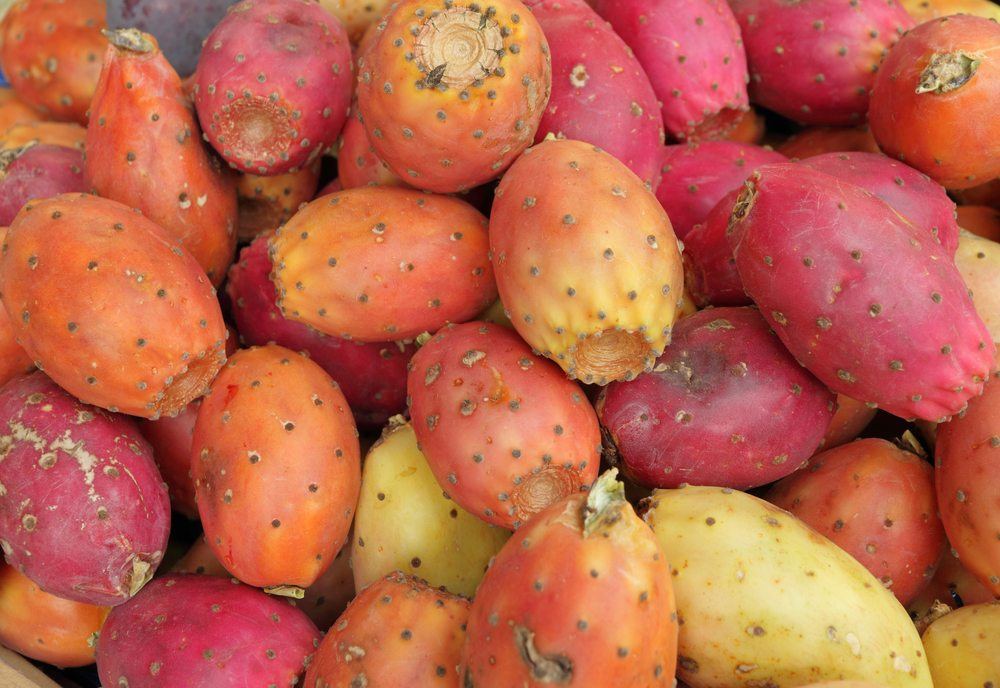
116,312
710,275
357,15
451,93
333,187
45,627
814,61
695,178
876,502
144,150
357,162
693,54
505,433
37,171
580,596
913,195
600,92
204,632
276,467
818,140
968,485
372,375
935,101
65,134
397,632
381,263
851,418
866,301
171,439
273,85
83,511
587,264
724,405
953,585
13,110
50,50
266,203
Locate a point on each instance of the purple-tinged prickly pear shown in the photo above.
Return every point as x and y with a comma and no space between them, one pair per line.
37,171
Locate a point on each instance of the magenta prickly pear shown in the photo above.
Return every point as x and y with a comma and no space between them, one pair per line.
83,510
37,171
870,304
273,84
710,275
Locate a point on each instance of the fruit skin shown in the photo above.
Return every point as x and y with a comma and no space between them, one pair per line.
586,262
357,162
426,117
505,433
45,627
600,92
37,171
179,25
580,596
939,116
397,632
953,585
116,312
815,61
724,405
879,312
51,54
144,149
14,360
710,274
356,15
851,418
696,178
913,195
13,110
819,140
821,615
925,10
693,54
276,467
298,98
66,134
987,193
962,647
981,220
171,440
204,632
750,128
978,261
406,523
265,203
876,502
96,473
968,489
377,264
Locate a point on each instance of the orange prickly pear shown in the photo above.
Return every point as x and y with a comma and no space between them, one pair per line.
13,110
268,202
357,163
66,134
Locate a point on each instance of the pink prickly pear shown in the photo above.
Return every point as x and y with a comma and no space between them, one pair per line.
724,405
170,439
273,84
600,92
710,275
505,433
204,632
867,302
814,61
693,54
37,171
83,510
695,178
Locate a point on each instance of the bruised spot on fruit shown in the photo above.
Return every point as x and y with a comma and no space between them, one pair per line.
946,72
611,355
457,48
555,669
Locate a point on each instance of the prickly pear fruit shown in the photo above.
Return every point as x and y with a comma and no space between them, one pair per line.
710,274
84,513
397,632
116,312
935,100
819,140
878,310
13,110
925,10
724,405
50,50
371,375
66,134
581,595
750,128
876,502
695,178
144,149
276,467
171,440
13,359
451,93
505,433
273,85
586,261
978,260
357,162
814,61
694,57
808,610
37,171
851,418
980,220
952,585
374,264
913,195
45,627
265,203
600,92
968,487
962,647
180,26
405,522
204,632
987,193
356,15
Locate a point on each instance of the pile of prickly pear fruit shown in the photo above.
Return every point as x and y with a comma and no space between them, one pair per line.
500,344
